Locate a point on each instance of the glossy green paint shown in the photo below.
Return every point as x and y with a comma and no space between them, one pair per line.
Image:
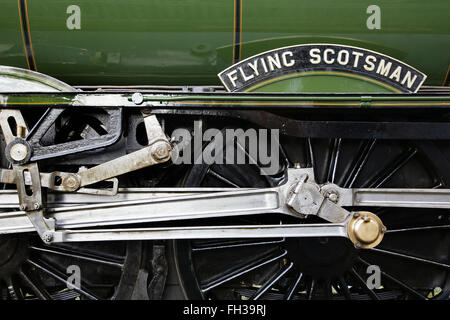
315,82
11,46
187,42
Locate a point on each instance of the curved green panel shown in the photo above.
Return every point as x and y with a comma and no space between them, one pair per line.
321,82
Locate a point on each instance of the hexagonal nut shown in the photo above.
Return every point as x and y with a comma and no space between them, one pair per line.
161,151
332,195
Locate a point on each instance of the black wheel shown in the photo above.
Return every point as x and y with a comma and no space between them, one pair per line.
413,258
31,270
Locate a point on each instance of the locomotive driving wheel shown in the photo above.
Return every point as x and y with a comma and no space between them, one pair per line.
31,270
412,261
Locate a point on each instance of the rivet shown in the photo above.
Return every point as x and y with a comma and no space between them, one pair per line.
137,98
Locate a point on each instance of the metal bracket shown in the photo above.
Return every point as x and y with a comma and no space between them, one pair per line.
307,199
157,151
41,152
31,200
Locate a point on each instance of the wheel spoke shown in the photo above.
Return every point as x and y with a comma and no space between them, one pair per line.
333,159
68,247
363,156
293,287
412,258
311,288
243,270
398,282
58,276
269,283
67,253
363,284
221,178
439,185
35,285
386,173
251,160
419,228
310,159
224,245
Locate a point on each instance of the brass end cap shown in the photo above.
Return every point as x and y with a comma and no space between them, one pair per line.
365,230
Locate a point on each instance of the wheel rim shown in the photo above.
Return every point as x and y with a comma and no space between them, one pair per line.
413,261
31,270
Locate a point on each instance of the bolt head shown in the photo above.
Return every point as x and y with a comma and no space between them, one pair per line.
355,215
71,183
18,152
37,206
137,98
47,237
333,197
23,207
161,151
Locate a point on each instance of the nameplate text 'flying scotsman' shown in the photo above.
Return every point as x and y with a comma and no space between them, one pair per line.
322,59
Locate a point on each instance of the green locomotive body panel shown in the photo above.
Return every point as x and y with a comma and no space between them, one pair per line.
188,42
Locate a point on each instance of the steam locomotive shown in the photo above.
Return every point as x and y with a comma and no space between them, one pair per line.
224,150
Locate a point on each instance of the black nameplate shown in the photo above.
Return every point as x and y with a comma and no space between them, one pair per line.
321,57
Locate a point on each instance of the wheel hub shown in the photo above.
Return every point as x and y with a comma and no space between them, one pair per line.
365,230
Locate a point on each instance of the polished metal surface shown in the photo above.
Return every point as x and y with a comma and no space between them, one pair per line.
151,205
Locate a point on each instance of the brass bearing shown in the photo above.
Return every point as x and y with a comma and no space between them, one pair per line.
365,230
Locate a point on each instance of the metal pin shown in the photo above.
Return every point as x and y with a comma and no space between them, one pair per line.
20,131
